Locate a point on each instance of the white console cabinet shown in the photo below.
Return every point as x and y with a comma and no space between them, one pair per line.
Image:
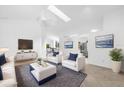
20,56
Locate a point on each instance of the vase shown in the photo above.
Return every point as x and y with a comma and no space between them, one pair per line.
116,66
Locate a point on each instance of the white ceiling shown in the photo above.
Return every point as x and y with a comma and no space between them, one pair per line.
20,11
82,17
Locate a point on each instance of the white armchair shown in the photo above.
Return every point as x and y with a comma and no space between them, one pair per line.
77,65
55,59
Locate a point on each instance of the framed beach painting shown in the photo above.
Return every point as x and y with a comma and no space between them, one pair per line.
68,44
105,41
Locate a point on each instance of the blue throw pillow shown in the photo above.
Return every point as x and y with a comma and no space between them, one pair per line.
72,57
1,74
2,59
54,53
57,53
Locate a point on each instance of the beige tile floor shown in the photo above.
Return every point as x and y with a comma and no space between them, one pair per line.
102,77
96,76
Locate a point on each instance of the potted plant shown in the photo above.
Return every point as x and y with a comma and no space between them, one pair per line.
116,57
47,46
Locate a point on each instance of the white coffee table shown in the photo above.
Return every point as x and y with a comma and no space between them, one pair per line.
43,73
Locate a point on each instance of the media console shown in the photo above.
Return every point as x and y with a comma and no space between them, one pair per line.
21,56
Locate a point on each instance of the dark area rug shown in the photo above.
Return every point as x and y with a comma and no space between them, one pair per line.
65,78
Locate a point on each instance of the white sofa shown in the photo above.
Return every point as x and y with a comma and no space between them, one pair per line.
55,59
9,76
77,65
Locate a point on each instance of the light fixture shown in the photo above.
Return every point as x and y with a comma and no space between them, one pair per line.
94,30
58,13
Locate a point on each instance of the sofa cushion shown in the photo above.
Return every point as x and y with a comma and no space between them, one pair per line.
69,62
1,74
2,59
72,57
51,59
9,73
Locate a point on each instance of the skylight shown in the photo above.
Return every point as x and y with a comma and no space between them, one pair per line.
59,13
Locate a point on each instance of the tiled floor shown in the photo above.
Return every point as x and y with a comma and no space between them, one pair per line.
102,77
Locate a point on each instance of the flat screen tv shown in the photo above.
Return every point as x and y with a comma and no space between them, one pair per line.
25,44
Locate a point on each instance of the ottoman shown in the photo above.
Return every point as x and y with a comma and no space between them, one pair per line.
42,74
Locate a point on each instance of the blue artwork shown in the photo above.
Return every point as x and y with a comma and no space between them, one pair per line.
106,41
68,44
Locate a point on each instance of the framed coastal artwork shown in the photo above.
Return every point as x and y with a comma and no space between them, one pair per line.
68,44
104,41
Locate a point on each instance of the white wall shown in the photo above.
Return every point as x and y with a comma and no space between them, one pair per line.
75,46
38,46
113,23
75,40
12,30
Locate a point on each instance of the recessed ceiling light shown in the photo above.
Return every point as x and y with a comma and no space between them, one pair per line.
59,13
94,30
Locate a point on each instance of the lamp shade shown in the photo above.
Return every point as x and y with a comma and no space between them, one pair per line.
3,50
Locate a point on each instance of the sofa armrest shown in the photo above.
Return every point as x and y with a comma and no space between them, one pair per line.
80,63
10,59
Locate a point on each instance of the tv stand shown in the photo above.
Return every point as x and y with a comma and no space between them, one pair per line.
22,56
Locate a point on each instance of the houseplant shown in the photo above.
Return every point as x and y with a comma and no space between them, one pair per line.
116,57
47,46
